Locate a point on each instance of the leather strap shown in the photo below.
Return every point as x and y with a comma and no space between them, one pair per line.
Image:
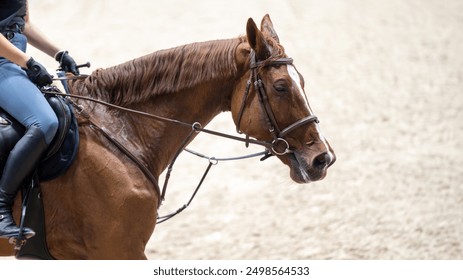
125,151
297,124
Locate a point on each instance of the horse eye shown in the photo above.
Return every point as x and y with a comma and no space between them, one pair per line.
281,88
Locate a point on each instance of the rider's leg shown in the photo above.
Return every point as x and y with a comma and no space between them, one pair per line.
23,101
20,164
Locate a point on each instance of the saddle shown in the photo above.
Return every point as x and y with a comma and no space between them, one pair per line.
62,150
58,158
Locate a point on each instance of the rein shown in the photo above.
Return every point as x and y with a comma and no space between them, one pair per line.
271,147
195,127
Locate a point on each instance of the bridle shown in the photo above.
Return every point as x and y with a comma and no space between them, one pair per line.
277,133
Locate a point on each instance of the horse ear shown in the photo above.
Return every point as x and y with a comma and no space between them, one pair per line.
257,41
267,27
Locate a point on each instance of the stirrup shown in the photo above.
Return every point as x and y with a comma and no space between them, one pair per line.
17,242
20,240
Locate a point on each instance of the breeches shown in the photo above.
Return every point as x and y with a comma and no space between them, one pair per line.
20,98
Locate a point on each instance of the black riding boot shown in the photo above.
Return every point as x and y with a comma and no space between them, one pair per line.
20,164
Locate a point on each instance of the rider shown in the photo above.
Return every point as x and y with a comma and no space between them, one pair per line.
20,75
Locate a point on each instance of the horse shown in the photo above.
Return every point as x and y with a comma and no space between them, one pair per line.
106,204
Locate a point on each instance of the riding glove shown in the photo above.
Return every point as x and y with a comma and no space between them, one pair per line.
37,73
66,62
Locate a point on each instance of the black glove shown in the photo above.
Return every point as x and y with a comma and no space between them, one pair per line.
66,62
37,73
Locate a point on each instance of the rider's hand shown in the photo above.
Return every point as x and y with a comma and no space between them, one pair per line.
66,62
37,73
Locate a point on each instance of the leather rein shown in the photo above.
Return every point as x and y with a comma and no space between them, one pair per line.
271,148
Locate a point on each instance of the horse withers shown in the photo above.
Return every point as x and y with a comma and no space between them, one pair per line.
106,204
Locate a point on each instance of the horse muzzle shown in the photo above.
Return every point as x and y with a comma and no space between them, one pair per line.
309,167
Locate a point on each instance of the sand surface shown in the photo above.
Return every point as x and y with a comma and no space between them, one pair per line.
384,77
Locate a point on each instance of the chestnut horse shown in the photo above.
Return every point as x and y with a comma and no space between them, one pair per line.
105,206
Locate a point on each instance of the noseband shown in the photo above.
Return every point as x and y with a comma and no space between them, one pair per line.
277,133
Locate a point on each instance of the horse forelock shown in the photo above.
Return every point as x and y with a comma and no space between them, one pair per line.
162,72
277,50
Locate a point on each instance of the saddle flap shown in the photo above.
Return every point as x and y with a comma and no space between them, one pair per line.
64,114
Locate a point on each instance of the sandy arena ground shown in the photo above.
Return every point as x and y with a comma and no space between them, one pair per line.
384,77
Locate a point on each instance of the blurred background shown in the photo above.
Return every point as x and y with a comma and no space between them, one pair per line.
384,77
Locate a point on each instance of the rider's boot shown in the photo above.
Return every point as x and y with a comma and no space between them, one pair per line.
20,164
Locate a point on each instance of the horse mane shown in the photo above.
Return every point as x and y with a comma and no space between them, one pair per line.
161,72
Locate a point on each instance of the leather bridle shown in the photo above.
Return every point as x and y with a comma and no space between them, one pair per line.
277,133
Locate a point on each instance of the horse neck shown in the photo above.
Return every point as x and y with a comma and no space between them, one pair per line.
192,83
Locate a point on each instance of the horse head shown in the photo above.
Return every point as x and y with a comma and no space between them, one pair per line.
269,103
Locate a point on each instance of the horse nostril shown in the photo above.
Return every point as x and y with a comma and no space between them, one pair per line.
322,160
